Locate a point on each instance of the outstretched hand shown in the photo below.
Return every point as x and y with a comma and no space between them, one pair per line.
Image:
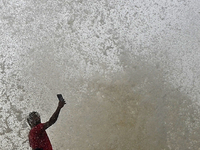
61,103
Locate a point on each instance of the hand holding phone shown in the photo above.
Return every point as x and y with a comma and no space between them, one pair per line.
60,97
61,101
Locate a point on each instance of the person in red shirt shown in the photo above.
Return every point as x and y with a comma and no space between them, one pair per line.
38,138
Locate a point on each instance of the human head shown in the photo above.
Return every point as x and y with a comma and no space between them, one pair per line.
33,119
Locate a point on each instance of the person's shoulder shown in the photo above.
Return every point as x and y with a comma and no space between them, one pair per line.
41,124
38,126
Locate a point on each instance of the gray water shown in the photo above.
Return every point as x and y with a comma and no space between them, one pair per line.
129,71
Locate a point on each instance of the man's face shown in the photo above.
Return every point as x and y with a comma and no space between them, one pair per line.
35,120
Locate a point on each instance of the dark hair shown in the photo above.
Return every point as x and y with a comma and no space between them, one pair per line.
30,117
38,149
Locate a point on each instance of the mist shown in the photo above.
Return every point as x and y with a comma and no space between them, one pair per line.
128,70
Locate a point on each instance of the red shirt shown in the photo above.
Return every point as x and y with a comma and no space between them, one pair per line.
38,138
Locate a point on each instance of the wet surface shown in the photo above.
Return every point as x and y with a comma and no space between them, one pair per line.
128,71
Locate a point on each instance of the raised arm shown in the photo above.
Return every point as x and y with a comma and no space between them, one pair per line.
55,115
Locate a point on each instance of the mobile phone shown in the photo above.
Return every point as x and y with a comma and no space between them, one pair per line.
60,97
